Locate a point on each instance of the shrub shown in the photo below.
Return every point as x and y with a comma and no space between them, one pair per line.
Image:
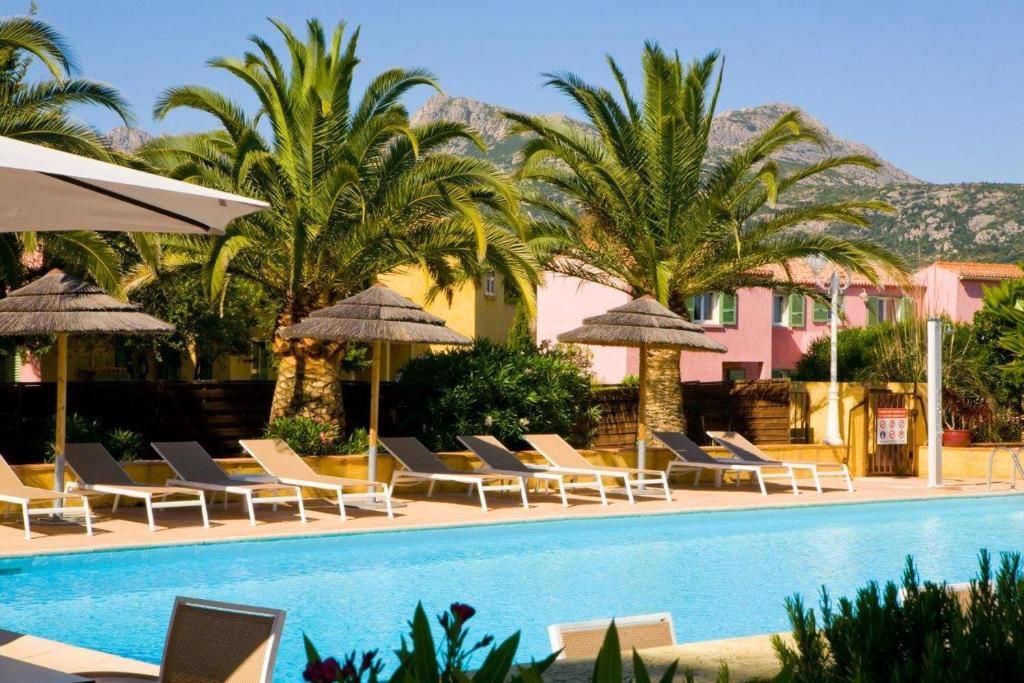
496,389
923,635
357,442
305,435
451,661
124,444
854,348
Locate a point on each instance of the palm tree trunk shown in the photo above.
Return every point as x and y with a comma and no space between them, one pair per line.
664,395
308,382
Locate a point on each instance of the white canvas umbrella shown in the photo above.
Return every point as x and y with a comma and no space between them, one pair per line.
43,189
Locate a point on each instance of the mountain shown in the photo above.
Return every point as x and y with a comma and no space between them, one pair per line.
962,221
127,140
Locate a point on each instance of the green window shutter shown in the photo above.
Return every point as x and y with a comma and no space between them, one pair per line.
906,308
872,306
796,310
728,309
820,312
689,306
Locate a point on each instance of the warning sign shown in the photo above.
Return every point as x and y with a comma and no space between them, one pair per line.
891,426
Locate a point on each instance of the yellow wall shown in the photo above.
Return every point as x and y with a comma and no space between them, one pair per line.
853,415
970,462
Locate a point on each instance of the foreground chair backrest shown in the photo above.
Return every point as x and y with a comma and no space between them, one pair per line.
14,492
97,471
419,463
691,457
564,458
583,639
215,642
278,458
744,450
196,469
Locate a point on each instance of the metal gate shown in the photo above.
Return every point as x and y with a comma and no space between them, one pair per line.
888,458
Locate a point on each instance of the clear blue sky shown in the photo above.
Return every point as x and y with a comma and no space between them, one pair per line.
935,87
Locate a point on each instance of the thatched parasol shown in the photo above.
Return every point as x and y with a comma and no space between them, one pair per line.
646,324
63,304
375,316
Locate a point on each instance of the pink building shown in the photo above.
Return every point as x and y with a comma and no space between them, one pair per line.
954,288
767,332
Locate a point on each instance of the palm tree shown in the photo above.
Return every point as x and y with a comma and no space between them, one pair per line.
38,113
653,211
355,191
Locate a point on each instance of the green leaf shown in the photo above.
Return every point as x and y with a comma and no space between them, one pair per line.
423,663
311,654
608,666
498,662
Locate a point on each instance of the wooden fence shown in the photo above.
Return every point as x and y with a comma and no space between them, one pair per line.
759,409
218,414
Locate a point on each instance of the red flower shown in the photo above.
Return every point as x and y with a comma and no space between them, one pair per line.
462,612
326,671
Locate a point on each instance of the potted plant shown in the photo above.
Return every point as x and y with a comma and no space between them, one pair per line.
961,411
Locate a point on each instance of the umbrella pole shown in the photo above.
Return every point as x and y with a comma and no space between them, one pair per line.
60,433
374,410
641,421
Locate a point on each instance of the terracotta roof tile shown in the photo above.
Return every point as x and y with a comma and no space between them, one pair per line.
806,272
973,270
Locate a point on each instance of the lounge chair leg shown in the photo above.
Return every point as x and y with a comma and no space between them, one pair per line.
792,479
629,489
249,506
760,481
817,479
522,492
24,518
88,516
600,488
113,508
849,481
561,489
149,514
302,505
430,489
480,490
226,502
387,500
664,482
341,505
202,509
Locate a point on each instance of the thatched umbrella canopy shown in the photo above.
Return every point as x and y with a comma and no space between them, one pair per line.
374,316
63,304
643,323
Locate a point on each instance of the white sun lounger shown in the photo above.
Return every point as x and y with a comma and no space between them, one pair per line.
745,451
197,470
12,491
287,467
497,458
420,464
97,471
564,458
583,639
691,457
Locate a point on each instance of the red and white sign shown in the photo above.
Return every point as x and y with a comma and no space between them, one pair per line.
891,426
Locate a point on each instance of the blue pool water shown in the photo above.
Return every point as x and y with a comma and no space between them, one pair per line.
720,574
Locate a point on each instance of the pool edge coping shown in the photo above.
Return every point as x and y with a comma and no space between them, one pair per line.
501,522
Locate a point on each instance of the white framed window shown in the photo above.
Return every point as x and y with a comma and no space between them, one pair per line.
779,302
706,308
489,283
883,309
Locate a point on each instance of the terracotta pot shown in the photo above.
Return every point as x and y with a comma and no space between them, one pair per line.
956,437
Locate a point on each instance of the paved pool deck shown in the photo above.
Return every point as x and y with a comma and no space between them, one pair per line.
127,528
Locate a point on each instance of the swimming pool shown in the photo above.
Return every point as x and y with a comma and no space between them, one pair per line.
721,574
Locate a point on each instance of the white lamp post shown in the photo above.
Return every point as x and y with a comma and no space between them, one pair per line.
935,402
837,283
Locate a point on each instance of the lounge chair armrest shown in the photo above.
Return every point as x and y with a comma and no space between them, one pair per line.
116,676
